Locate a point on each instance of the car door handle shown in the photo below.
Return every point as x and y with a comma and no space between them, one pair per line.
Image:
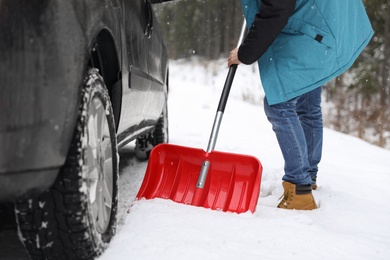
148,19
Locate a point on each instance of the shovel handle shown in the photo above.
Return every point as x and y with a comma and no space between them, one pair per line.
226,88
221,108
230,76
218,119
224,97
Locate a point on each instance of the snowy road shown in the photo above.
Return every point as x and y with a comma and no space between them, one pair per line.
351,223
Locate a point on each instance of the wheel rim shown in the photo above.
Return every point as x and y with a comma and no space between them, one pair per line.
99,162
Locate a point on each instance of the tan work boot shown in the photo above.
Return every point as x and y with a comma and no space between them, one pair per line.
297,197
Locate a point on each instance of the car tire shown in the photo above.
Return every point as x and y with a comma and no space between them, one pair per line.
159,135
76,217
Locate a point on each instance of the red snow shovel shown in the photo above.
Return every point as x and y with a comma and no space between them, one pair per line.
210,179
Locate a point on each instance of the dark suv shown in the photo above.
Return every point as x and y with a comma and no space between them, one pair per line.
79,79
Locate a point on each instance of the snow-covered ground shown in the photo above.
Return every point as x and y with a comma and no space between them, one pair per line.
352,221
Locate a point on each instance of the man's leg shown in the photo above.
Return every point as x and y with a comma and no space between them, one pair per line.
297,183
310,116
291,139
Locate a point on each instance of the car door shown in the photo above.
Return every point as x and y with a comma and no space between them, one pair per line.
144,70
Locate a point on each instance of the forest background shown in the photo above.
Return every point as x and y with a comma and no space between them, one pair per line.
359,99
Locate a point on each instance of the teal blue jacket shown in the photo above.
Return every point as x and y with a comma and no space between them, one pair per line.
321,40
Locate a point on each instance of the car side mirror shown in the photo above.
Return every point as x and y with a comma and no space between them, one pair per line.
148,29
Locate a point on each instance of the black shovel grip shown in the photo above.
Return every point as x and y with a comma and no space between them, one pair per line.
226,88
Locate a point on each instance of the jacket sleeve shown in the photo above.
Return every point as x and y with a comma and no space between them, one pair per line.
269,21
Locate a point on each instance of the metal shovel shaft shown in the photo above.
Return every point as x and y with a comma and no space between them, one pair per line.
219,115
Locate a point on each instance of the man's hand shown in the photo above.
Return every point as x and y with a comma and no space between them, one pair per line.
233,58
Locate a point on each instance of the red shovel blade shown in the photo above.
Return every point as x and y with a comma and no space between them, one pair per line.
232,183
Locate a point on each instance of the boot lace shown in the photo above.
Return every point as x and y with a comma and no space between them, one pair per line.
284,199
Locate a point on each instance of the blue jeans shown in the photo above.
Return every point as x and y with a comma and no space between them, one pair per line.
297,124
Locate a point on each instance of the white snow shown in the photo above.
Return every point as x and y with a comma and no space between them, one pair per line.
352,221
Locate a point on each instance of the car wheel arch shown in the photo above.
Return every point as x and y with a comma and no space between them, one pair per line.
104,56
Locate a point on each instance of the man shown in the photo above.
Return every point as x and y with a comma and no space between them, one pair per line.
299,46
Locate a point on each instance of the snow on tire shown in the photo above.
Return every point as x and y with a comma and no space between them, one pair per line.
76,217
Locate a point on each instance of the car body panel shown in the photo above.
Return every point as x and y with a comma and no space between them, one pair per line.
45,49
